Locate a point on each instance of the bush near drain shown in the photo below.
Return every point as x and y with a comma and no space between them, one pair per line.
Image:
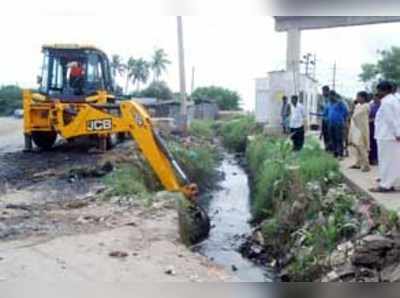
269,160
234,133
126,180
198,161
202,129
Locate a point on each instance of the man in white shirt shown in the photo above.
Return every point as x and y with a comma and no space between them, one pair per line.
387,134
296,123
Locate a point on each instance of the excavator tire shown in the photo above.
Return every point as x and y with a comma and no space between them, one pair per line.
44,139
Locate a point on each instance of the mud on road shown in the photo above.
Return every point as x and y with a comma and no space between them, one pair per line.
52,214
41,190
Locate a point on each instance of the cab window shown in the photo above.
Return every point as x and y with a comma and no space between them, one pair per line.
94,74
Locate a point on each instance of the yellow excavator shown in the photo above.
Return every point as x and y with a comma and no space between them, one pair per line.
76,97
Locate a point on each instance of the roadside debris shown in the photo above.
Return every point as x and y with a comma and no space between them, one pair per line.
170,271
76,204
90,172
19,207
118,254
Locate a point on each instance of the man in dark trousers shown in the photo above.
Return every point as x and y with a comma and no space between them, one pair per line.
296,124
323,110
337,117
285,114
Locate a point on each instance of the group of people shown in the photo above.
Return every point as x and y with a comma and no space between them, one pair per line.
375,134
370,127
334,112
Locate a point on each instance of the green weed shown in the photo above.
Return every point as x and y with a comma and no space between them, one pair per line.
125,181
202,129
234,133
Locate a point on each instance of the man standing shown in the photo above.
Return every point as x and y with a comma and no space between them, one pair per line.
323,110
373,110
296,124
387,134
285,115
359,132
337,116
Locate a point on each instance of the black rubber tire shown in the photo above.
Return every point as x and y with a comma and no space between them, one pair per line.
44,139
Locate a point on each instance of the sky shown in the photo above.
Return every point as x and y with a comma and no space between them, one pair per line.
229,51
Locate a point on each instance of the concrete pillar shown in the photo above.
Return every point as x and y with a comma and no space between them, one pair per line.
293,50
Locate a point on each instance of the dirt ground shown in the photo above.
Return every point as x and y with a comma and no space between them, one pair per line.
10,134
53,217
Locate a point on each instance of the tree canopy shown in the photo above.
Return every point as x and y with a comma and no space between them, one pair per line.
10,99
158,63
225,99
386,68
137,71
140,72
159,90
117,66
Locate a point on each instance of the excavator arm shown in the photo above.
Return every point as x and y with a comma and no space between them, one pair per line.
128,117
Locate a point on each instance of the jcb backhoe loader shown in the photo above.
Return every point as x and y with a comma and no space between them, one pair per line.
76,98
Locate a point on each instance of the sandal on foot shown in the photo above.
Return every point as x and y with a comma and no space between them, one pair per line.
355,167
380,189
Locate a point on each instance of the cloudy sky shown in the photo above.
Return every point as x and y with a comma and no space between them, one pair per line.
229,51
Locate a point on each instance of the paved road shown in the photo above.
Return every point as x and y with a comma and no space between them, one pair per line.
364,181
11,138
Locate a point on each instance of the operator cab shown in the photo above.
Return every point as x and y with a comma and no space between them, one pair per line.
71,73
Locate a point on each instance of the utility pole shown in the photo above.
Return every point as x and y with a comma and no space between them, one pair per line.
314,62
334,76
182,75
307,62
294,79
192,87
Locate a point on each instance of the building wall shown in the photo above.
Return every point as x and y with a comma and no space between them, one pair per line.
206,111
270,90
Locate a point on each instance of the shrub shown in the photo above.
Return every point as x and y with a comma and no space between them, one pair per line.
269,228
202,129
269,161
198,161
316,164
126,181
225,99
159,90
235,132
10,99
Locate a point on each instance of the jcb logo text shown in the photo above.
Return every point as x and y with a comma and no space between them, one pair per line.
99,125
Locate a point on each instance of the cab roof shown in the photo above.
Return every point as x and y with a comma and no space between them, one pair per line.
71,47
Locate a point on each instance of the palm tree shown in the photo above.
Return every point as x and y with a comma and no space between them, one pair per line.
140,72
117,66
159,63
128,69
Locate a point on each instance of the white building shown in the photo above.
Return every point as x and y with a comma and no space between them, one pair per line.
271,89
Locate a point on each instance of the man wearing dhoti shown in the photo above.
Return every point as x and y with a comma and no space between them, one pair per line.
359,132
387,134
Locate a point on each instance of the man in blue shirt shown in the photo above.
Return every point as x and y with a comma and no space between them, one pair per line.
336,114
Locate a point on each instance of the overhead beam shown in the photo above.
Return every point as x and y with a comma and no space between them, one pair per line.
320,22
